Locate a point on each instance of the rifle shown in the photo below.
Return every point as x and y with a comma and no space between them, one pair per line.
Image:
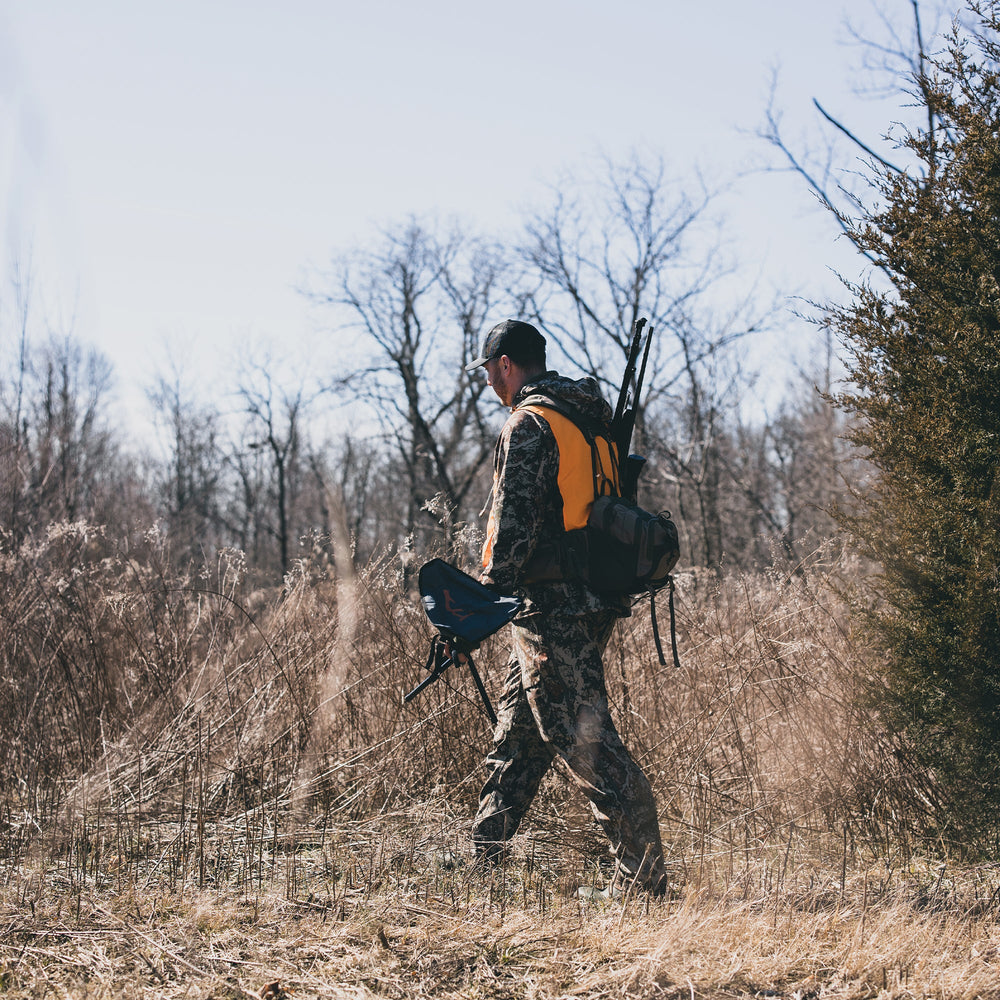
623,421
622,425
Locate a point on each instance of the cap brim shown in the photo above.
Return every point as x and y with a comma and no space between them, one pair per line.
478,363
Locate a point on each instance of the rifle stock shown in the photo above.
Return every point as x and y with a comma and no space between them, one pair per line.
630,470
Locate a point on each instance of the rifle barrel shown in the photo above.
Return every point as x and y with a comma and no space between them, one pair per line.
642,370
633,354
638,389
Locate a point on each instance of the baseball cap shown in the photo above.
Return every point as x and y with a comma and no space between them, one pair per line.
512,337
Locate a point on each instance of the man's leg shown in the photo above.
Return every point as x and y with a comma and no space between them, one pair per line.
515,768
564,685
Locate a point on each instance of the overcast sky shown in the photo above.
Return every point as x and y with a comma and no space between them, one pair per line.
177,169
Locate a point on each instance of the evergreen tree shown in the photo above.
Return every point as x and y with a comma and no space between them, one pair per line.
923,338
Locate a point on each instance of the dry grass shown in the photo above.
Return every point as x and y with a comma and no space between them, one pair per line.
402,925
203,792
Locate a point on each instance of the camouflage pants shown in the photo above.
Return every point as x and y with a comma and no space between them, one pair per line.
554,703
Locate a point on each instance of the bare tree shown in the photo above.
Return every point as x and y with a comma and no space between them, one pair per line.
357,478
62,458
270,459
72,450
808,459
791,469
633,244
13,455
898,59
188,484
416,306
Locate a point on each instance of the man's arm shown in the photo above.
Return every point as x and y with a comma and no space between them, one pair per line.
525,471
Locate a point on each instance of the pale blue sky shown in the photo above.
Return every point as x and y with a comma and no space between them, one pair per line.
179,167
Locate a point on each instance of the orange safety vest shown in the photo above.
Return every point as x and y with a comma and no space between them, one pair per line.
585,472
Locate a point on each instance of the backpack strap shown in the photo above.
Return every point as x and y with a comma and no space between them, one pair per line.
656,629
588,428
673,626
591,431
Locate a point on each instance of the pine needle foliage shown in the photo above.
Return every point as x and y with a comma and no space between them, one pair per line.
923,342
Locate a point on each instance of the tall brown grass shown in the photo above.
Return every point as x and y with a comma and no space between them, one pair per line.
167,734
126,682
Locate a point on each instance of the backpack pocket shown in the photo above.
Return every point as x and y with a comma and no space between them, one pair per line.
630,550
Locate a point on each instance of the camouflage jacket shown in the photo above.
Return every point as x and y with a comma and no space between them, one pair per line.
526,517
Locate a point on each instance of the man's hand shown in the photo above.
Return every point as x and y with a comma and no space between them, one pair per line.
457,656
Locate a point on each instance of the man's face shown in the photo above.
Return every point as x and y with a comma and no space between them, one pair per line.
498,378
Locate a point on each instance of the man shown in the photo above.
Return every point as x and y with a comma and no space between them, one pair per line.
554,701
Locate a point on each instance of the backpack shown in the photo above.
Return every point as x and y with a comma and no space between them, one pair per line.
623,549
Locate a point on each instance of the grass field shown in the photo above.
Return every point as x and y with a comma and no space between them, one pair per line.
371,915
212,793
